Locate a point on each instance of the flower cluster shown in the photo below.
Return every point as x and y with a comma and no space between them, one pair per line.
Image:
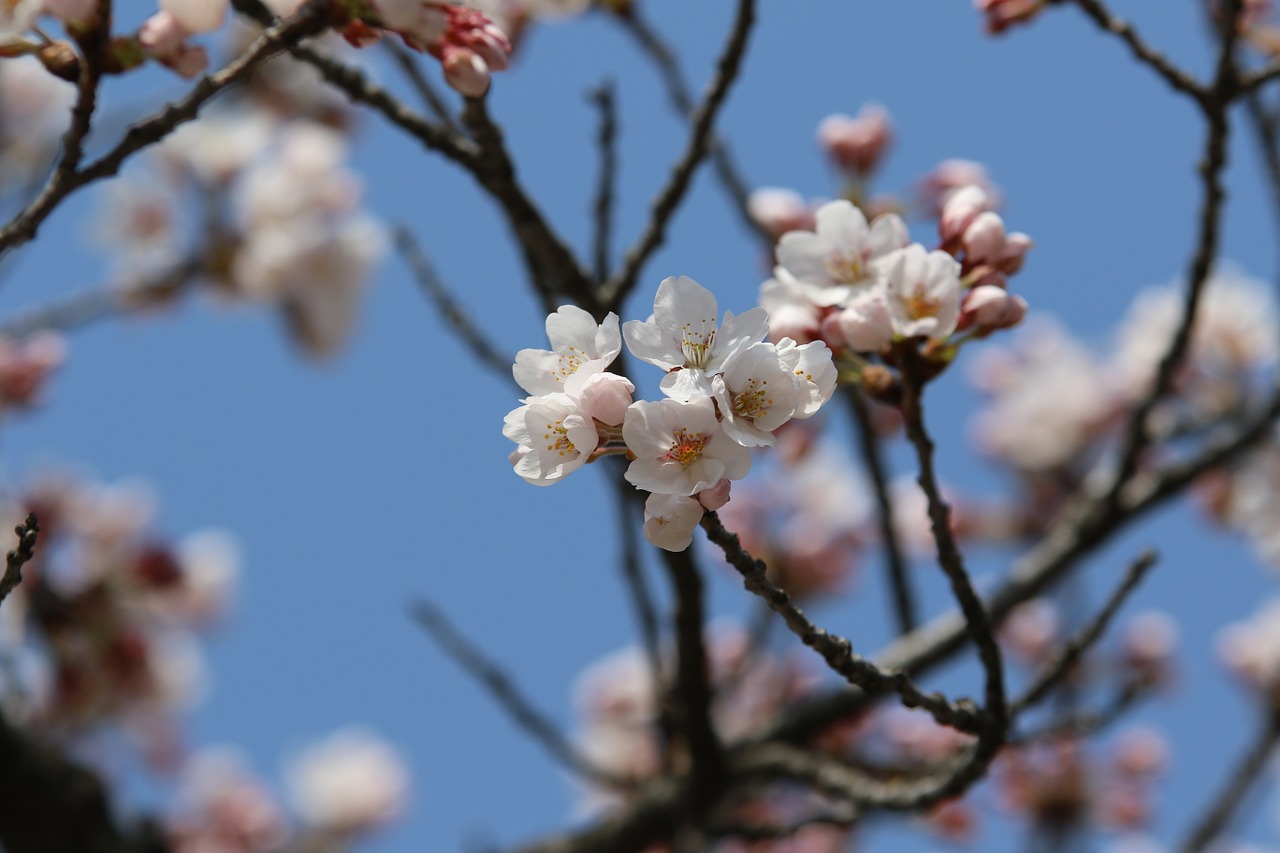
342,788
287,230
726,388
102,629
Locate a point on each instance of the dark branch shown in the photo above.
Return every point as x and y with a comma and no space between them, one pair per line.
604,99
665,204
28,532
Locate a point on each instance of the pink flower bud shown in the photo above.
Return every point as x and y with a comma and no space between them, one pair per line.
856,144
960,210
1002,14
984,239
988,308
464,70
716,496
1016,246
161,34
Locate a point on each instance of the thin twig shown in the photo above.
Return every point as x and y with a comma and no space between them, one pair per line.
835,650
1215,105
904,604
1232,795
1265,128
23,227
1055,669
424,273
653,46
1144,53
408,64
1080,724
607,140
28,532
537,725
665,204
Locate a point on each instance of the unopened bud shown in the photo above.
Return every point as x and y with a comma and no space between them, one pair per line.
61,60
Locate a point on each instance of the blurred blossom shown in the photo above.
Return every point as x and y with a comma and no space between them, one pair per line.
1050,400
950,176
999,15
779,210
1032,631
35,109
350,782
225,809
215,148
1253,499
1251,649
856,144
1148,643
25,366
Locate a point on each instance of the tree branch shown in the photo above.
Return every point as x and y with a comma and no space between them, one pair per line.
28,532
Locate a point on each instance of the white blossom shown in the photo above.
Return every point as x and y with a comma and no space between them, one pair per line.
669,520
843,255
682,336
348,782
923,292
680,448
578,346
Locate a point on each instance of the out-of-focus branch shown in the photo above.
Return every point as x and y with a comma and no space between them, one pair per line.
1265,128
1144,53
89,306
551,263
508,696
48,803
653,46
692,692
1215,104
605,100
1079,724
28,532
1245,774
23,227
904,604
665,204
425,274
835,650
1056,669
408,64
1084,525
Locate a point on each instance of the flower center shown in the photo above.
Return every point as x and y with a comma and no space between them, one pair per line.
920,304
845,269
687,447
558,438
569,363
696,345
754,401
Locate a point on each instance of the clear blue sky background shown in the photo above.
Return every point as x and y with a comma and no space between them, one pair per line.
357,486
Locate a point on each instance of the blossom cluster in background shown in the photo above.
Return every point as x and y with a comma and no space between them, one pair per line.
727,390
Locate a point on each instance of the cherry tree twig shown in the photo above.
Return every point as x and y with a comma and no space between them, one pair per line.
433,620
435,290
63,182
28,532
664,59
1243,777
1215,104
1054,671
604,98
835,650
1173,75
895,563
702,120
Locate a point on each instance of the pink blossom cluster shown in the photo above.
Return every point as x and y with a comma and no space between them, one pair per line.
288,231
106,617
469,45
342,788
727,390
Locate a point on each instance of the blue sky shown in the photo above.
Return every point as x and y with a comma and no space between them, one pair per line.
356,486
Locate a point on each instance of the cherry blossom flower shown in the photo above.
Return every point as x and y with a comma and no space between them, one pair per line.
35,108
780,210
554,438
791,313
197,16
843,255
950,176
864,325
680,448
352,781
923,292
988,308
757,393
578,346
17,16
164,38
682,337
669,520
225,807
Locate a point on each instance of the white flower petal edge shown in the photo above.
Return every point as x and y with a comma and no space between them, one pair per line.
924,292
